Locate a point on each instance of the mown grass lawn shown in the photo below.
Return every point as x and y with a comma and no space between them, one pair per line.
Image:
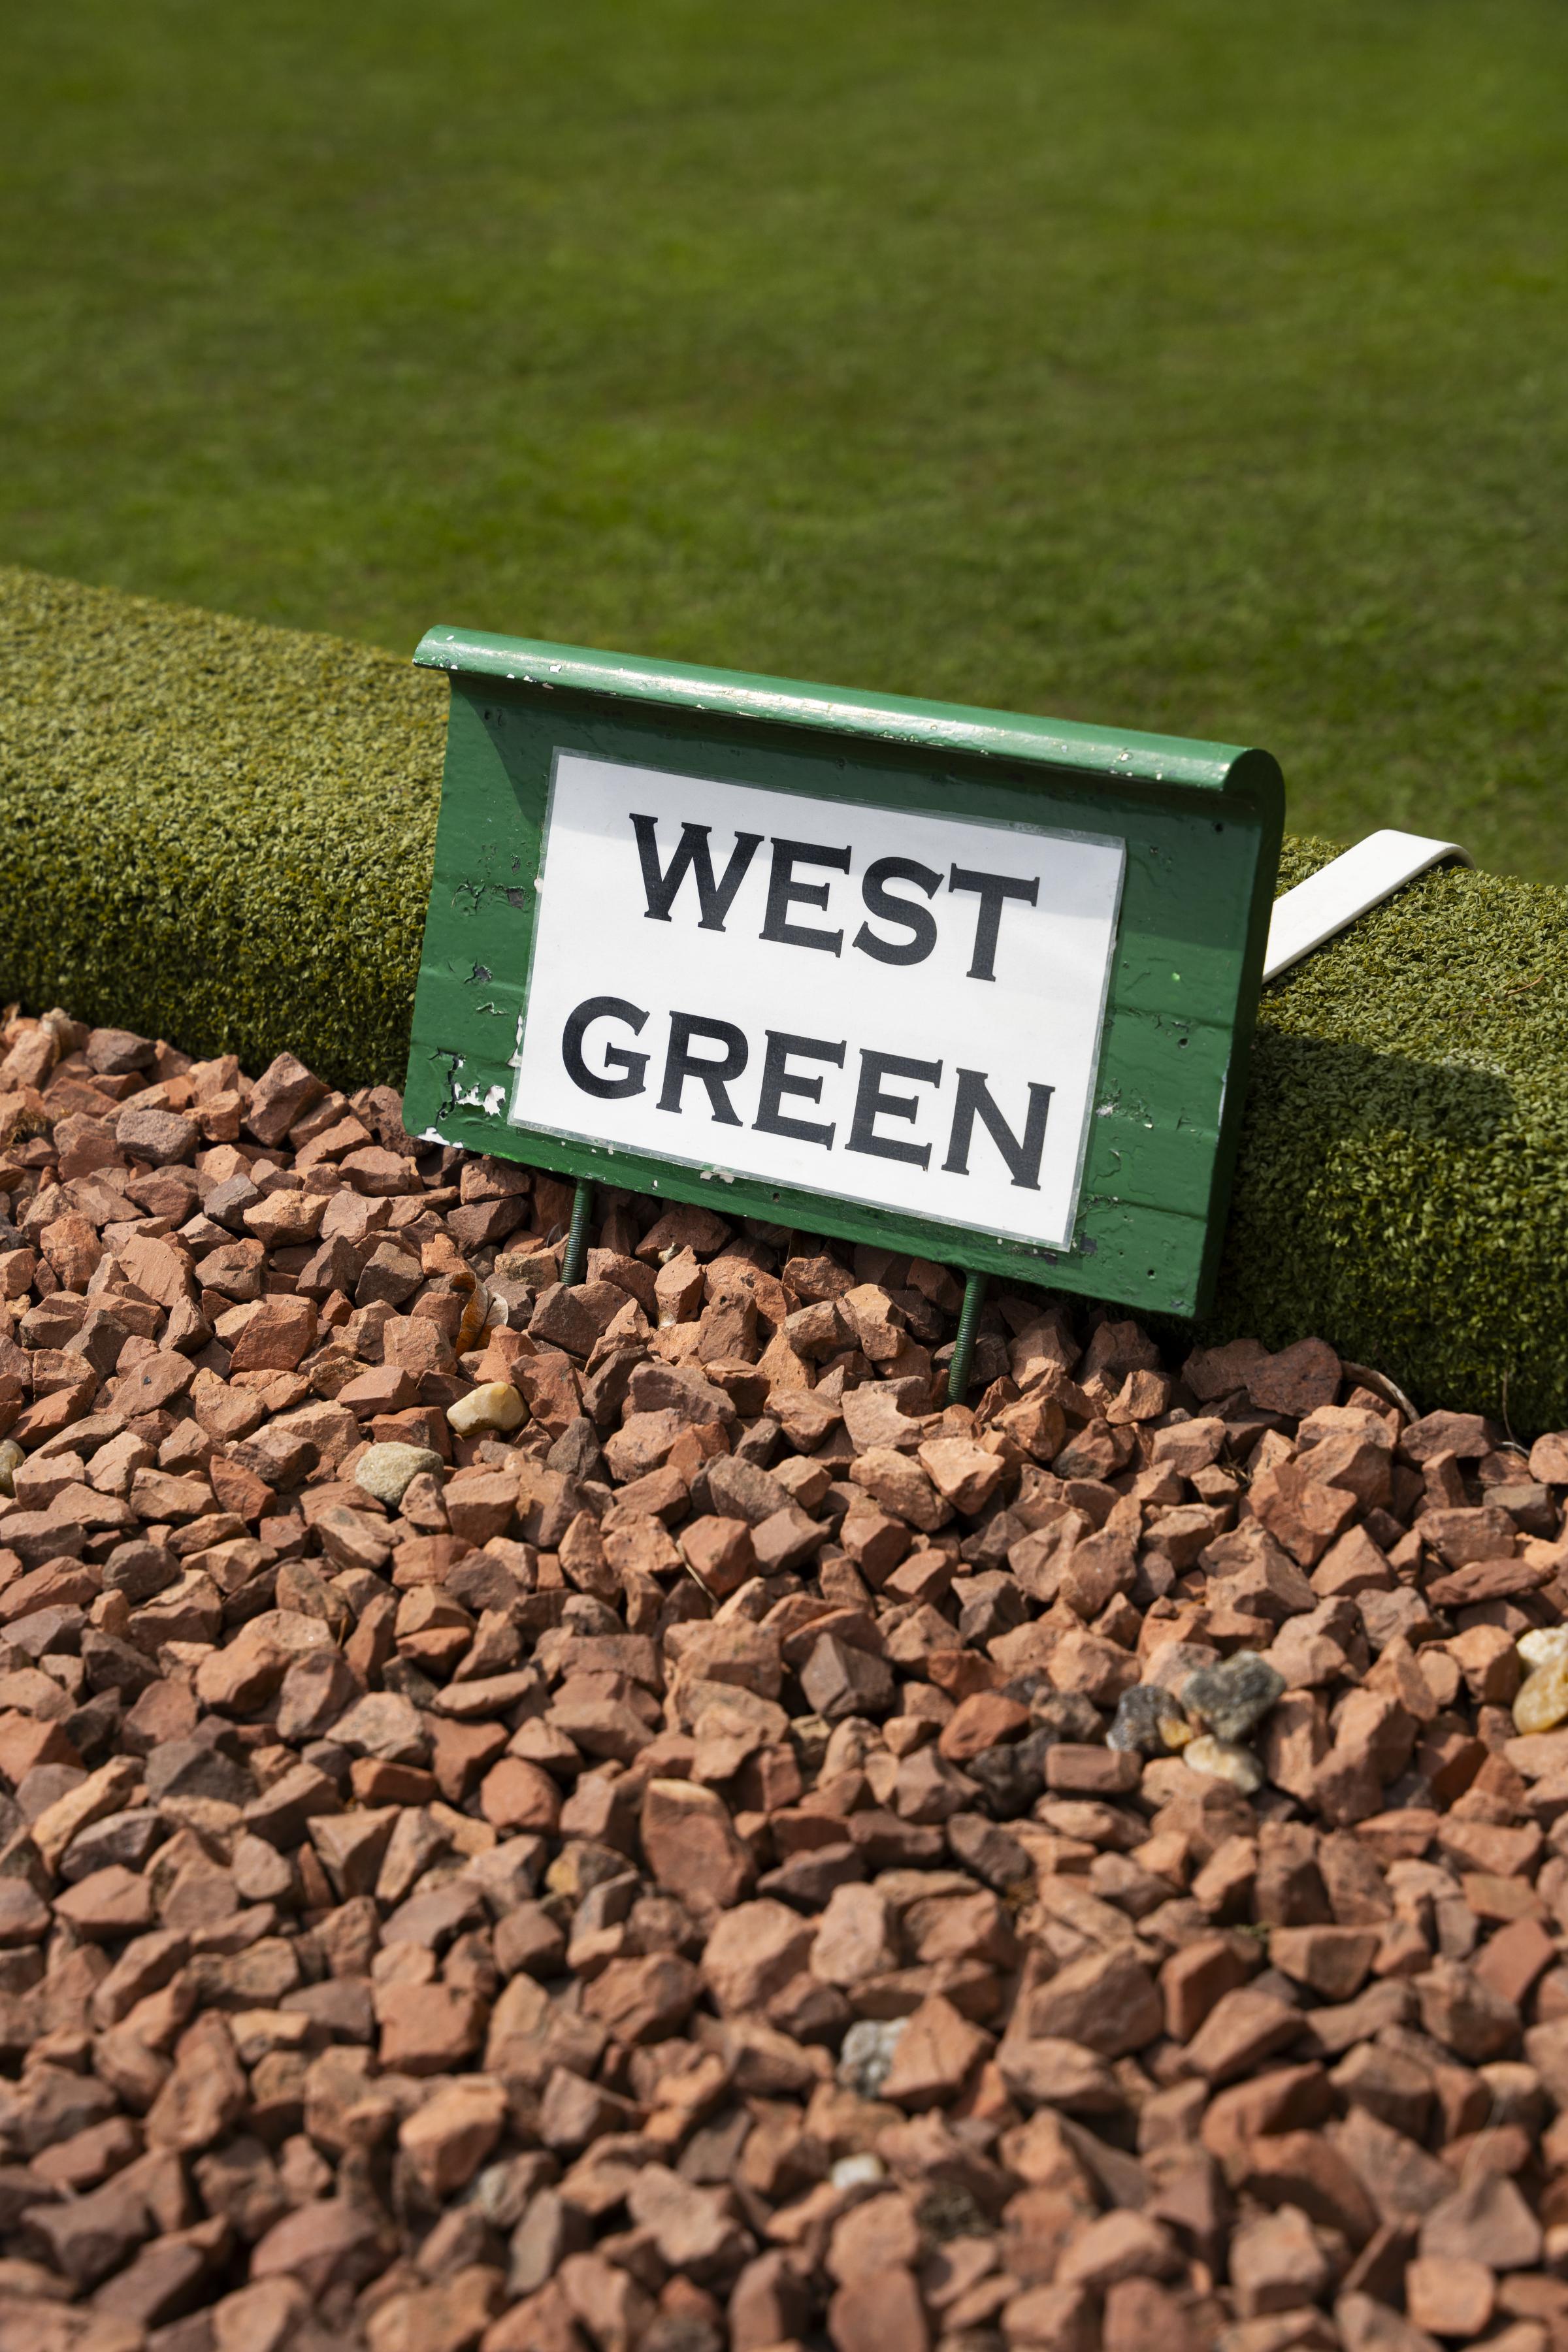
1187,363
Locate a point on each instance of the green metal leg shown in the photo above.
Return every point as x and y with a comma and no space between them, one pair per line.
576,1259
963,1346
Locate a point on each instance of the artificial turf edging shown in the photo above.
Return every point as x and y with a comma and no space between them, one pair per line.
1403,1182
223,832
214,830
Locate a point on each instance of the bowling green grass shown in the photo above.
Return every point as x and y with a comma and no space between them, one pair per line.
1189,364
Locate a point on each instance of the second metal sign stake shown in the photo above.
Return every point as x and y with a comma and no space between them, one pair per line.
575,1258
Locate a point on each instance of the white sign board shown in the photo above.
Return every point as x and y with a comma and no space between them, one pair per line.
884,1005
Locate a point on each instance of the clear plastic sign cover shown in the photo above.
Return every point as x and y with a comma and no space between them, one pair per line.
877,1004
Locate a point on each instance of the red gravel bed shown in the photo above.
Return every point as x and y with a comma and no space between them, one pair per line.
612,1818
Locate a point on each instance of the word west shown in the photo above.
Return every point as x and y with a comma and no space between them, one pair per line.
886,1004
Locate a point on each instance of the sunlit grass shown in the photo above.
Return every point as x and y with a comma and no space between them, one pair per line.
1174,362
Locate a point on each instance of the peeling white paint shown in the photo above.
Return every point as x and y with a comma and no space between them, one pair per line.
488,1099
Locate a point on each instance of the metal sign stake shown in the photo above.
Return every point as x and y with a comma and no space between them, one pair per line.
963,1346
577,1253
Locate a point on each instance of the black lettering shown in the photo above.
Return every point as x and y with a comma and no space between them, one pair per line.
918,921
871,1104
974,1101
993,890
691,855
630,1065
779,1079
681,1063
784,891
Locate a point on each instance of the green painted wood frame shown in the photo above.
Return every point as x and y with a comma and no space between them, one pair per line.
1201,823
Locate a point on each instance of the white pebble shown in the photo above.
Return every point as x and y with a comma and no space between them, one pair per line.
1225,1759
866,2054
497,1405
857,2171
387,1471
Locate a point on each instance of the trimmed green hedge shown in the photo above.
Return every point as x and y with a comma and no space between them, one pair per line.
1402,1185
223,833
211,830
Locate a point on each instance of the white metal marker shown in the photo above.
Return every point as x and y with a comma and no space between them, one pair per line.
1333,896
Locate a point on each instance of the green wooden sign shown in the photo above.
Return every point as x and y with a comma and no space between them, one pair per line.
970,986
